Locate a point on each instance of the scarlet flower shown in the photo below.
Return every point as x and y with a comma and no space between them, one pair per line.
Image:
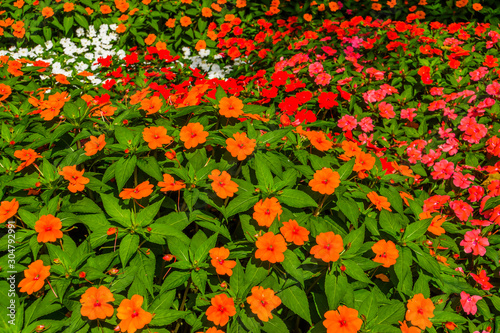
132,316
329,247
386,253
230,107
222,184
8,209
266,211
76,180
28,156
192,135
325,181
142,190
95,303
156,136
169,184
270,247
419,311
219,256
469,302
240,146
379,201
294,233
94,145
262,302
342,320
34,277
473,242
482,279
221,309
48,228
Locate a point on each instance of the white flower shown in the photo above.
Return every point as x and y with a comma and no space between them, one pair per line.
49,44
89,56
80,32
204,53
113,26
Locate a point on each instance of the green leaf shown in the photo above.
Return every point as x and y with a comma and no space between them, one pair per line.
81,21
240,204
291,264
346,169
389,223
296,199
426,261
262,172
237,280
254,274
113,208
274,136
147,215
295,299
491,203
416,230
369,307
446,316
275,325
355,271
125,168
165,317
334,289
391,314
150,166
402,268
350,209
174,279
355,239
128,246
201,252
164,301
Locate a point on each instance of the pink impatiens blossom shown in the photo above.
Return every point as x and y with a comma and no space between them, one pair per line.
323,79
347,123
443,170
386,110
469,302
409,114
462,210
493,89
474,243
366,124
462,181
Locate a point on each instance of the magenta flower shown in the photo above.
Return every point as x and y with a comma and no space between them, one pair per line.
474,243
469,302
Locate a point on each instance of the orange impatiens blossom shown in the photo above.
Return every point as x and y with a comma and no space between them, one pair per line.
221,309
212,330
19,4
8,209
192,135
262,302
76,180
219,256
68,7
14,67
34,277
132,316
270,247
122,5
329,247
170,184
351,149
386,253
477,7
319,141
240,146
61,78
266,211
364,162
170,23
294,233
405,196
150,39
105,9
28,156
5,91
121,28
405,329
94,145
95,303
47,12
156,137
142,190
48,228
379,201
435,226
419,311
151,105
342,320
185,21
222,184
230,107
325,181
200,45
241,3
89,10
206,12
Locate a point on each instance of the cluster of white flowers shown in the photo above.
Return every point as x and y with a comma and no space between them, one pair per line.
214,70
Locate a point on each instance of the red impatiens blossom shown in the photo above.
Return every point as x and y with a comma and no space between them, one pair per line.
482,279
473,242
462,210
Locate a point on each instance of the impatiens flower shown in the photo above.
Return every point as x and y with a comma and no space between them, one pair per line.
386,253
219,256
76,180
294,233
443,170
34,277
132,316
151,105
270,247
462,210
325,181
156,137
28,156
95,303
342,320
192,135
435,226
222,184
364,162
469,302
329,247
405,329
262,302
221,309
240,146
230,107
94,145
319,141
379,201
48,228
419,311
266,211
482,279
8,209
170,184
347,123
473,242
142,190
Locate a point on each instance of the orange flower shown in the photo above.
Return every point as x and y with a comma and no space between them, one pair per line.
14,67
156,137
222,184
5,91
121,28
241,3
94,145
28,156
48,228
266,211
47,12
419,311
140,191
169,184
61,78
185,21
379,201
376,6
89,10
477,7
68,7
364,162
19,4
241,146
262,302
405,196
170,23
139,96
8,209
329,247
221,309
105,9
386,253
294,233
206,12
230,107
319,141
308,17
192,135
200,45
342,320
34,277
405,329
219,256
122,5
435,226
95,303
212,330
325,181
270,247
150,39
132,316
333,6
152,105
76,180
216,7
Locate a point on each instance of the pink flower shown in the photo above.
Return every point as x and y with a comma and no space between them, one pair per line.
462,210
461,180
323,79
474,243
409,114
366,124
386,110
436,91
469,302
347,123
315,68
443,170
493,89
431,157
476,193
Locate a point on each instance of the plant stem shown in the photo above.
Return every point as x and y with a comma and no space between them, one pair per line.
183,302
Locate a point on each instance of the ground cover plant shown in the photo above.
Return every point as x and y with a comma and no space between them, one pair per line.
227,166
